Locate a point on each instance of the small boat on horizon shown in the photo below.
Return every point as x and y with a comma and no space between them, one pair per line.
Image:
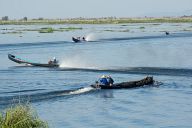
79,39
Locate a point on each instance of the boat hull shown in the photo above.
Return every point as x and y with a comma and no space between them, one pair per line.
16,59
130,84
21,61
76,40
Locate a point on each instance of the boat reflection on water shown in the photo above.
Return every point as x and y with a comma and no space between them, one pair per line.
105,94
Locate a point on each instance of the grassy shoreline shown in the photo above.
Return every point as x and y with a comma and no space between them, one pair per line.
98,21
21,116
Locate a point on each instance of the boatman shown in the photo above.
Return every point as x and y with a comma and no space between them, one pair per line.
54,60
103,80
110,80
83,39
106,80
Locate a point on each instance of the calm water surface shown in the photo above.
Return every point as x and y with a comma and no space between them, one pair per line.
62,96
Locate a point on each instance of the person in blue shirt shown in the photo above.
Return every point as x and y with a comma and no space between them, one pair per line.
103,80
106,80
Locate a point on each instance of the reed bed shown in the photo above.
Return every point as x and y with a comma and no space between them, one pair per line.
21,116
99,21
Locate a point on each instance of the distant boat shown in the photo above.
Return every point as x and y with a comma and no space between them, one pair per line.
130,84
22,61
78,39
167,33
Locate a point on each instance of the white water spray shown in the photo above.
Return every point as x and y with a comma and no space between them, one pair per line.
91,37
76,62
82,90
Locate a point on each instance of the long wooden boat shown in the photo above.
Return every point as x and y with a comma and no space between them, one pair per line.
22,61
130,84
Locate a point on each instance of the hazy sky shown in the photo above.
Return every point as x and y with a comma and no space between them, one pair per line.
93,8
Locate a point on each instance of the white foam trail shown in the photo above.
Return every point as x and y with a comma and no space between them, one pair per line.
65,64
91,37
76,62
82,90
69,64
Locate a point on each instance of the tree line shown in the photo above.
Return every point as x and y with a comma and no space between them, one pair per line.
6,18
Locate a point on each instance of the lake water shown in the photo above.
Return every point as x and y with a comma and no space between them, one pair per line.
62,96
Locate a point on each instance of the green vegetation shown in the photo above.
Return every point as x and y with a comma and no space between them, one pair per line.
21,116
141,27
156,24
70,28
187,29
51,30
13,32
123,30
108,20
109,30
40,30
46,30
